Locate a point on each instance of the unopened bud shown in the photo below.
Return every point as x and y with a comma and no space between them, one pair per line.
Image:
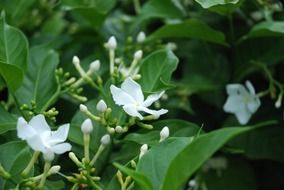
83,108
141,37
165,132
143,150
111,43
111,130
48,155
76,60
95,65
74,158
87,126
119,129
279,101
54,169
105,140
138,55
101,106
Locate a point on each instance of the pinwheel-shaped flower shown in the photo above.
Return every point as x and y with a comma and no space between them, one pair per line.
242,102
131,97
39,136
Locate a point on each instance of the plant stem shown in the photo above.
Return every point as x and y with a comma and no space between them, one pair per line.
87,147
34,158
45,172
137,6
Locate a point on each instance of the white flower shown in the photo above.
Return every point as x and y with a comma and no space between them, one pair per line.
105,140
39,136
143,150
138,55
101,106
141,37
111,43
242,102
87,126
95,66
165,132
131,97
83,108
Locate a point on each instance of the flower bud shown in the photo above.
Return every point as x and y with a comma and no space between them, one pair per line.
119,129
101,106
48,155
87,126
141,37
54,169
105,140
83,108
143,150
111,43
165,132
95,65
138,55
76,60
279,101
192,183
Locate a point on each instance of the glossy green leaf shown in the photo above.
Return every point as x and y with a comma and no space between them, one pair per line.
163,63
220,6
39,84
138,177
54,185
192,29
14,158
155,163
7,120
13,54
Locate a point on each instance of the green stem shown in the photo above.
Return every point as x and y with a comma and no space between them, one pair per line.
45,172
87,147
34,158
97,155
137,6
93,184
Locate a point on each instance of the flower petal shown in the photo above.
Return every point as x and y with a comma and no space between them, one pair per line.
234,104
254,104
60,135
133,89
24,131
131,109
39,124
152,98
243,116
120,97
61,148
156,113
36,143
236,89
250,87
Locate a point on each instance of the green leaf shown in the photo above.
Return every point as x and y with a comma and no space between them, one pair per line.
54,185
191,158
266,29
138,177
220,6
191,28
13,54
39,84
163,62
14,158
7,121
155,163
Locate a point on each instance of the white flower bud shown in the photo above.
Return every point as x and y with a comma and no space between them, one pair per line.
192,183
119,129
279,101
105,140
83,108
54,169
95,65
48,155
143,150
101,106
165,132
76,60
87,126
141,37
138,55
111,43
111,130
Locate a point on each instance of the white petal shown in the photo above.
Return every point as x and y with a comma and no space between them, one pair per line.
254,104
133,89
131,109
60,135
156,113
243,116
24,131
250,87
61,148
234,103
39,123
120,97
236,89
36,143
152,98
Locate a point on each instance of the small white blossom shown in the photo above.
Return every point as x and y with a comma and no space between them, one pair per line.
131,97
242,102
279,101
105,140
87,126
95,65
138,55
111,43
165,132
76,60
54,169
141,37
143,150
101,106
39,136
83,108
